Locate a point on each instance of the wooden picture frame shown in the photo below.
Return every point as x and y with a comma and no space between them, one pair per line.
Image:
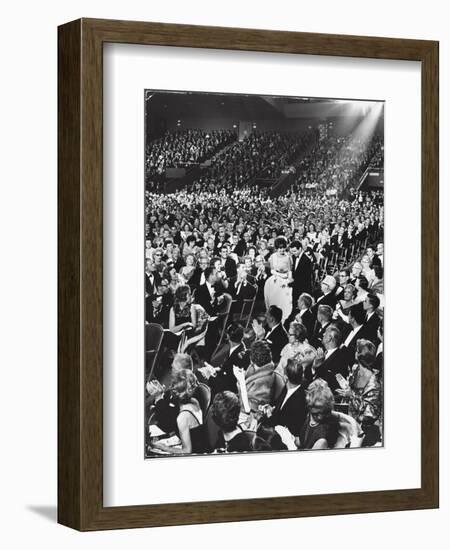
80,272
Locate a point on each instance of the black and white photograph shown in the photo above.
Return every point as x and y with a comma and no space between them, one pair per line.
264,259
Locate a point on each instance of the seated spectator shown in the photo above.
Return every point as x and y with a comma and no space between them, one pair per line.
377,284
185,314
345,303
327,298
320,429
275,335
188,269
230,354
362,285
332,364
324,320
159,305
373,321
226,409
356,319
290,408
190,417
364,392
297,339
207,295
260,377
303,314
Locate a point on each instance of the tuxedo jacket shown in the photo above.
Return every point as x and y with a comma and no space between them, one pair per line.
371,327
338,243
151,287
317,336
293,414
307,319
337,363
302,274
351,346
243,291
277,339
230,268
260,280
194,281
204,298
225,379
329,299
376,260
239,249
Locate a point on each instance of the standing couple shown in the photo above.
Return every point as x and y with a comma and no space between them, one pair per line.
291,275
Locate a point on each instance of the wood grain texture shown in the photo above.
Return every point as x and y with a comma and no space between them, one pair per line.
80,241
69,243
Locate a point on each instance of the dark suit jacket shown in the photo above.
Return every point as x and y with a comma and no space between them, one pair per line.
371,327
379,362
277,339
243,291
151,287
302,275
239,249
326,300
317,336
230,268
307,319
376,260
293,414
194,281
339,245
351,347
225,379
337,362
203,297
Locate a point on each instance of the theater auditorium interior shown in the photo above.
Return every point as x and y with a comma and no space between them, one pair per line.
264,294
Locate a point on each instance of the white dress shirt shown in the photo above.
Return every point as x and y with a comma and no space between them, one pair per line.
352,335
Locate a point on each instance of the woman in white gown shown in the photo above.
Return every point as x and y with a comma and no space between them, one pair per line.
277,291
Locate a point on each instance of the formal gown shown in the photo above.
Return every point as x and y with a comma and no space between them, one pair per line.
276,290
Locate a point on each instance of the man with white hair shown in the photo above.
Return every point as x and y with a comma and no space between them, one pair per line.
327,298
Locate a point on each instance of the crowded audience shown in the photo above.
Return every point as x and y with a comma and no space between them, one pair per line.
270,308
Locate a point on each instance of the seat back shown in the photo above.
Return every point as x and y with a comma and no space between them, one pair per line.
186,343
222,318
278,385
212,429
153,338
247,309
203,395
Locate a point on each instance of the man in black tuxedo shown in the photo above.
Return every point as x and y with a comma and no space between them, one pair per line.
227,263
157,305
303,314
221,238
152,278
339,240
290,407
276,336
260,274
302,269
356,319
373,321
335,359
374,259
327,297
324,319
206,294
230,354
344,278
238,246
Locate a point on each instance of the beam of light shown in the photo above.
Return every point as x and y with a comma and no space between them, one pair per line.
358,140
